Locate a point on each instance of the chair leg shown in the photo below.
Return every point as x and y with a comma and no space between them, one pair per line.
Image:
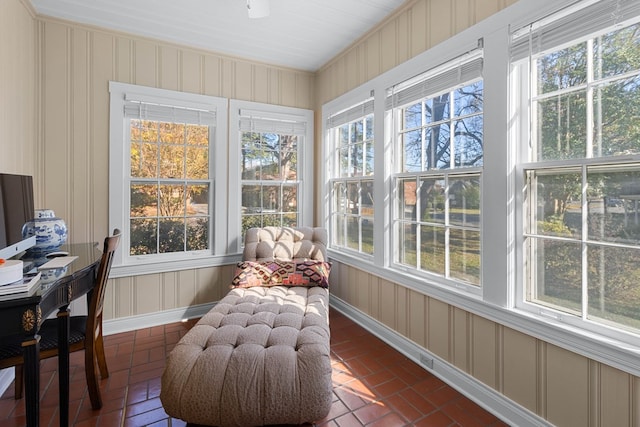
100,356
19,380
91,372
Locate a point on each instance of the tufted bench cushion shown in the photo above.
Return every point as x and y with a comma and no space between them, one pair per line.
259,356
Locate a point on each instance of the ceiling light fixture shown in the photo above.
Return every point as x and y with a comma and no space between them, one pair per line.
258,8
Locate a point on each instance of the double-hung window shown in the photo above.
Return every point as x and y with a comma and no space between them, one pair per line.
162,172
579,80
437,170
274,164
351,133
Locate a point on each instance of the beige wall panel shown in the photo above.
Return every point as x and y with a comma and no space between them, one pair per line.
464,11
169,291
363,292
486,8
635,402
460,340
519,368
403,28
212,76
402,306
147,294
440,18
388,303
244,81
615,394
80,191
145,63
374,308
567,388
228,74
102,71
419,28
417,318
484,353
17,81
168,61
190,72
389,45
57,108
274,86
260,81
353,69
305,93
288,88
372,56
123,299
439,331
124,60
186,288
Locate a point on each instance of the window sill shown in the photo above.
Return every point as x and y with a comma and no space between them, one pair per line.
616,353
164,266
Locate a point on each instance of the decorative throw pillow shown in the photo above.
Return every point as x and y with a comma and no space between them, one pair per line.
305,273
250,273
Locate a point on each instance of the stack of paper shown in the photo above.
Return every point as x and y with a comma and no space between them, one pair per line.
26,284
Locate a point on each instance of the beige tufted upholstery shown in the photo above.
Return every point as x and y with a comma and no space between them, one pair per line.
261,355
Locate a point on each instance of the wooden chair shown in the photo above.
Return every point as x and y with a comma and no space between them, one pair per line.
85,333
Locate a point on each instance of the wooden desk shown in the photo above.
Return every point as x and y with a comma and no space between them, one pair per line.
20,314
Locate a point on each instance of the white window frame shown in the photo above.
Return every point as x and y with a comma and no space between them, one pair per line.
280,116
501,227
119,167
358,112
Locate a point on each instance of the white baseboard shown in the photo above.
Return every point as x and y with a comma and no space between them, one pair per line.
131,323
491,400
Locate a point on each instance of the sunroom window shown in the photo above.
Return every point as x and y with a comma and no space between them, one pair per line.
438,132
581,167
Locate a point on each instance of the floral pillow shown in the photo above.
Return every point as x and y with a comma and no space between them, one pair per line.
286,273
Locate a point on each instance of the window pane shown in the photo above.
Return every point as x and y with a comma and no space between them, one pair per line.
289,165
407,199
412,148
369,127
432,200
197,163
468,142
614,284
353,203
143,236
353,233
464,201
144,160
562,132
198,135
618,52
555,203
197,233
613,205
198,200
469,99
144,200
368,159
171,236
407,245
251,199
344,161
270,198
464,255
617,134
357,160
562,69
432,249
413,116
172,161
172,199
339,230
555,274
367,235
172,133
289,198
340,197
290,220
438,147
438,108
270,166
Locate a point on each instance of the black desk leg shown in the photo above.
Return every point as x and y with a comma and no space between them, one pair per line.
63,364
31,350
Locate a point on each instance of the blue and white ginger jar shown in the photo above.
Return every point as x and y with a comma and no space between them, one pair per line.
50,231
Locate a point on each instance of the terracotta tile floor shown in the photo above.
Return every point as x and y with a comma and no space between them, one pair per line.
374,385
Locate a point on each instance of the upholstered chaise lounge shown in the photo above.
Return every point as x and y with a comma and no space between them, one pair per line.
261,354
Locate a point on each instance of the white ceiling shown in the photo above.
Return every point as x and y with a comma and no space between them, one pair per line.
302,34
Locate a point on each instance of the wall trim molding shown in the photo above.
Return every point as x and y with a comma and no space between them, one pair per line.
507,410
131,323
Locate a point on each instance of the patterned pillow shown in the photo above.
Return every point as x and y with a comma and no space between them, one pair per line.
286,273
308,273
250,273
